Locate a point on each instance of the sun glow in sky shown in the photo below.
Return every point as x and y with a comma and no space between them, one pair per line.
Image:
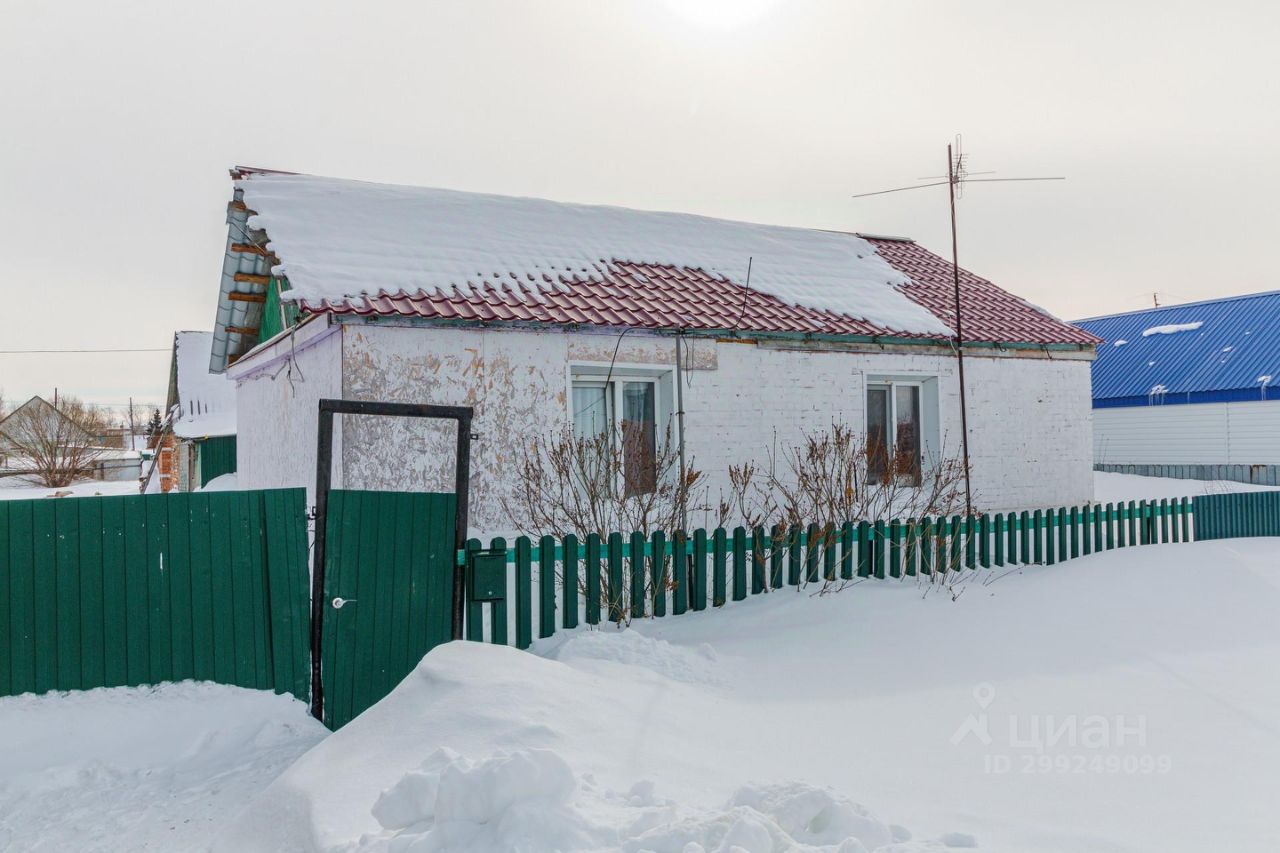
721,13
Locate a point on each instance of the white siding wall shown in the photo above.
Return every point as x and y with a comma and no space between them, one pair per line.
277,410
1190,434
1029,417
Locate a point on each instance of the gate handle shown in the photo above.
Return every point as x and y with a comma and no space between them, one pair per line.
338,603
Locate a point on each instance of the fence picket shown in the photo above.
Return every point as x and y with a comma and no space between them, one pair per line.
758,558
659,573
776,554
616,594
569,582
681,570
546,586
636,574
926,546
698,594
719,558
524,593
593,579
739,563
865,556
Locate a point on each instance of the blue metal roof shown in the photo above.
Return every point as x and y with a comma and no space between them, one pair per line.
1229,356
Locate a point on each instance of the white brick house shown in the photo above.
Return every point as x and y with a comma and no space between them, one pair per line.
834,327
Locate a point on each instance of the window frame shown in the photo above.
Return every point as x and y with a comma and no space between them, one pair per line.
891,384
586,376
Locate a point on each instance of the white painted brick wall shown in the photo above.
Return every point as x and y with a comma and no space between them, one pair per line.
1031,443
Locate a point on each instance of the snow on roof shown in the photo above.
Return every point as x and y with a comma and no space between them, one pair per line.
1172,328
206,401
339,238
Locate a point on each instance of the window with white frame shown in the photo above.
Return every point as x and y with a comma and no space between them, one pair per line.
894,434
626,410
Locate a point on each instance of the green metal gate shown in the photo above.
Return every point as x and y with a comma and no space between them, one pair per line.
1238,514
388,592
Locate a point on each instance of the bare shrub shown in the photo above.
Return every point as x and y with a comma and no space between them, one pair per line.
602,484
54,447
837,476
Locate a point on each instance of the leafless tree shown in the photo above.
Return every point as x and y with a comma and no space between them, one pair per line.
836,476
55,447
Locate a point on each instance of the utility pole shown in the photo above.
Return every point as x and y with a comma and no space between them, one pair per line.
952,181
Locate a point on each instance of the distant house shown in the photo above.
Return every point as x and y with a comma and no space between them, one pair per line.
1190,390
545,315
199,442
64,441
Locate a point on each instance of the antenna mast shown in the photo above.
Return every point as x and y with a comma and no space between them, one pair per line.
955,179
954,169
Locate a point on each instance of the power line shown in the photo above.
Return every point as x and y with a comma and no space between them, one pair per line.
49,351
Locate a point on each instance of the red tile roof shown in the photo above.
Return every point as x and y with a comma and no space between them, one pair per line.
666,297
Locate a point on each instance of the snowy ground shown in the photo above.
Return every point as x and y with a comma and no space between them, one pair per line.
140,768
19,488
1121,702
1109,487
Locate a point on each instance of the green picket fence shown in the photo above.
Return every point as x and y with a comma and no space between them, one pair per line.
140,589
562,583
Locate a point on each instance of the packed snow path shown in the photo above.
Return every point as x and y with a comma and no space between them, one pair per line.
1120,702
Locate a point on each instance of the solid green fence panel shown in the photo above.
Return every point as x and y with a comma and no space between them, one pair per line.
569,582
739,563
681,569
546,586
1236,515
115,591
593,579
636,575
719,567
6,627
698,595
659,573
524,592
217,456
388,595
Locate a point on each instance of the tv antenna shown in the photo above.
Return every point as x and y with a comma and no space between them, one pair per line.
957,177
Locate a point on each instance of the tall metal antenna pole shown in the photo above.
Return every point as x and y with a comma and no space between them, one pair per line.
955,273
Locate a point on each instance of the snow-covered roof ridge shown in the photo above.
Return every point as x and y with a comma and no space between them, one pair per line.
338,238
206,401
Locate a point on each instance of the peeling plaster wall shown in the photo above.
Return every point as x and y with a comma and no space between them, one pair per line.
277,410
1030,437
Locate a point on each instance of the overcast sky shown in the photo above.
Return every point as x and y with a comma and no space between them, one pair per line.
120,121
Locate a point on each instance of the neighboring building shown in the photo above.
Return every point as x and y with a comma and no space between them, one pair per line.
518,307
199,441
1190,390
100,454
